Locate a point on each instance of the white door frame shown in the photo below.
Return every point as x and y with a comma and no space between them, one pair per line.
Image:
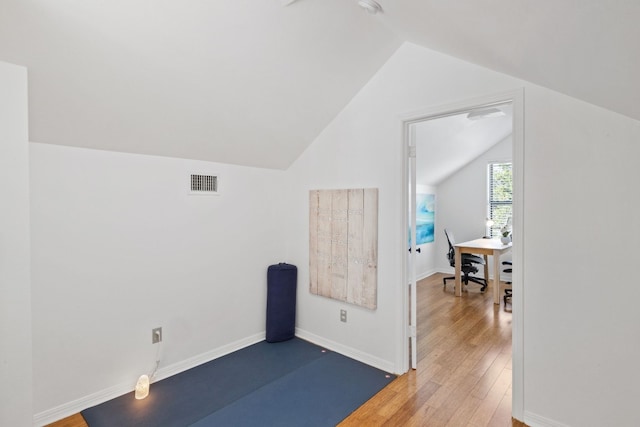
413,249
517,99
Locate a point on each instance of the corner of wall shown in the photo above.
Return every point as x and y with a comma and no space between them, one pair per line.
16,389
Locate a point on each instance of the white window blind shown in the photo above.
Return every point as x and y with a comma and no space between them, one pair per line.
500,195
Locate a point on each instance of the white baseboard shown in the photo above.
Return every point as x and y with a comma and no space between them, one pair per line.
73,407
535,420
446,270
426,274
347,351
192,362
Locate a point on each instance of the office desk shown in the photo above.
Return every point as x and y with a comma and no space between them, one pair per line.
483,247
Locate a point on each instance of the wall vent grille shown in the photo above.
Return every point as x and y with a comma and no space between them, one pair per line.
204,184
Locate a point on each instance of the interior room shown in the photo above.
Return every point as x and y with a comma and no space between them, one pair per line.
452,158
108,109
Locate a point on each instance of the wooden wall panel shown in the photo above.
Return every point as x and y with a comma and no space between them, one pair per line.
323,254
313,241
339,230
355,256
370,248
343,245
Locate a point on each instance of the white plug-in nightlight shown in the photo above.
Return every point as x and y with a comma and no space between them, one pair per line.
370,6
142,387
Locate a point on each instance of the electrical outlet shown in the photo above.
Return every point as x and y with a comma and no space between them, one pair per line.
156,335
343,316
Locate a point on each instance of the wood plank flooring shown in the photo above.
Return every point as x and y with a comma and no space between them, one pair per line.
76,420
464,367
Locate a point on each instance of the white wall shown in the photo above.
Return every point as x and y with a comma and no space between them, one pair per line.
582,322
109,229
462,206
119,247
362,147
426,258
580,174
15,291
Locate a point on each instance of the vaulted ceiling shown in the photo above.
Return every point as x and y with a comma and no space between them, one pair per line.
447,144
254,83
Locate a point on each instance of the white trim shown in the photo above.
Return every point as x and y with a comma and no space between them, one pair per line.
517,256
59,412
459,107
413,282
516,97
192,362
427,274
403,331
73,407
358,355
534,420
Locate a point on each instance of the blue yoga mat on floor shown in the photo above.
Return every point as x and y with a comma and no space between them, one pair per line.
322,393
268,384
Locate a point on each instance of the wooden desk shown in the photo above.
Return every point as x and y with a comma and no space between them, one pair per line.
485,247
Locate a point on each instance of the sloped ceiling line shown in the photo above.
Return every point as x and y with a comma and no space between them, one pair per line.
254,83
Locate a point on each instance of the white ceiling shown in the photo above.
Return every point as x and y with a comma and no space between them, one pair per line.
233,81
445,145
252,82
588,49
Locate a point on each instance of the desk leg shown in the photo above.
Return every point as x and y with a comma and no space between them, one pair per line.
496,277
458,263
486,269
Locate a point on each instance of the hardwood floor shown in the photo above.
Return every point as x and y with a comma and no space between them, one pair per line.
73,421
464,367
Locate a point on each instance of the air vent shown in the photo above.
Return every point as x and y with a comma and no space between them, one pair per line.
204,184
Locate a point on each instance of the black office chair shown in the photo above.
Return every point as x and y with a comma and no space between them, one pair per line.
468,266
507,292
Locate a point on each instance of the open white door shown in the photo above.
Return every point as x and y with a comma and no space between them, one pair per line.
412,256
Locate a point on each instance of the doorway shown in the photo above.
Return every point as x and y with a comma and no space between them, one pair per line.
474,110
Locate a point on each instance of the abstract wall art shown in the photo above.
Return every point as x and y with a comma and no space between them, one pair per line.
425,218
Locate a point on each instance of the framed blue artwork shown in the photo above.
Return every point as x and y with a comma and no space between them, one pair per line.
425,218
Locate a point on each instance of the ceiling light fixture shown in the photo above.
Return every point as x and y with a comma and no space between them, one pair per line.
485,113
370,6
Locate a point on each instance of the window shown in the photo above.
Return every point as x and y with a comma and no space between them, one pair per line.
500,196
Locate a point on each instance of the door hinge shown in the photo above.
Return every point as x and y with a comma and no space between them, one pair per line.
412,331
412,151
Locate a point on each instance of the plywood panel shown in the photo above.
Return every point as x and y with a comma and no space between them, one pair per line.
356,259
370,248
323,254
339,239
343,245
313,241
